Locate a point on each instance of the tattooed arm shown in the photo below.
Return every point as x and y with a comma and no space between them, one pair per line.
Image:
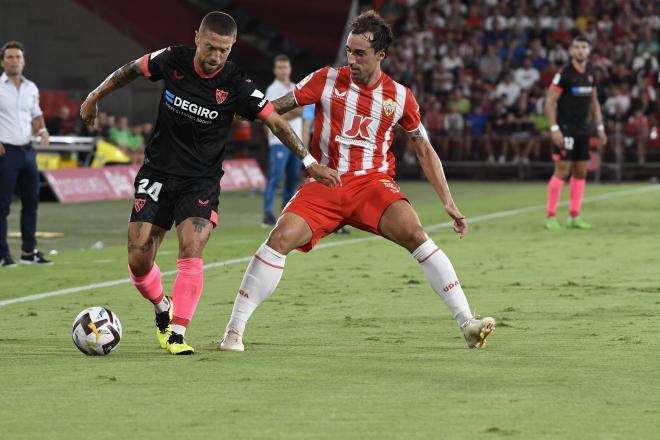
285,133
285,104
119,78
432,167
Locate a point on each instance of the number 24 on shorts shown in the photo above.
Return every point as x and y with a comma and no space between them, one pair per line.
152,191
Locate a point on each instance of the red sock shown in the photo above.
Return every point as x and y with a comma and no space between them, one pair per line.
187,289
576,190
555,186
149,285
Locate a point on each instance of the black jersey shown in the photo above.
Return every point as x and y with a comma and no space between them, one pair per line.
196,112
573,106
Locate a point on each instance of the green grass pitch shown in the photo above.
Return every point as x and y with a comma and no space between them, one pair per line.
354,344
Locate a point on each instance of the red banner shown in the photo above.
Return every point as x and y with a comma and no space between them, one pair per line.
116,182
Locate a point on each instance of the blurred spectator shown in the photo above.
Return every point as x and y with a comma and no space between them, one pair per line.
62,123
508,90
521,125
526,75
135,146
498,132
490,65
107,124
477,121
637,128
453,125
121,134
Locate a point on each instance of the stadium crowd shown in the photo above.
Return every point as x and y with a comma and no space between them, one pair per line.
480,70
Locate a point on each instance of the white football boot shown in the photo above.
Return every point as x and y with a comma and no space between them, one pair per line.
232,341
477,330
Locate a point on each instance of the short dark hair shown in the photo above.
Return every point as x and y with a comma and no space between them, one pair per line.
582,39
11,45
218,23
370,21
281,58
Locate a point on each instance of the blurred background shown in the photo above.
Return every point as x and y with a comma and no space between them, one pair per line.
479,70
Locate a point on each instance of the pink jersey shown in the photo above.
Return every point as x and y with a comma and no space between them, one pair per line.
353,125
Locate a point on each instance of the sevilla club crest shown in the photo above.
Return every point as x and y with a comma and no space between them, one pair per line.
220,95
139,204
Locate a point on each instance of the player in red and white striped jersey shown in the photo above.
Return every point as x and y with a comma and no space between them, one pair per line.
357,108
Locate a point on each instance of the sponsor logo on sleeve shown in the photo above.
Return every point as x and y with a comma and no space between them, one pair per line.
304,81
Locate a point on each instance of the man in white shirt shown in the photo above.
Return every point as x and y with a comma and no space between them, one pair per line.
20,118
508,90
280,159
526,75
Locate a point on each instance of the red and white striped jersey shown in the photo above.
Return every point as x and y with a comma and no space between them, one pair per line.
353,124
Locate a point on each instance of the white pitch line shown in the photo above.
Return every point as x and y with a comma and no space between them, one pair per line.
479,218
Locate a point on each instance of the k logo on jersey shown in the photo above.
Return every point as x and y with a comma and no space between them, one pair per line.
220,95
359,127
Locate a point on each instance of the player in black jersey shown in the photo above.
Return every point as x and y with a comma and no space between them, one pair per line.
570,99
180,179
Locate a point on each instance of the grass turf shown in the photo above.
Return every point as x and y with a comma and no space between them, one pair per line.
354,344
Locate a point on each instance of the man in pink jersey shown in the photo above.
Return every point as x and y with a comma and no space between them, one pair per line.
357,107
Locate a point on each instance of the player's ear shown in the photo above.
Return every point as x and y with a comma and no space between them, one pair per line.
196,38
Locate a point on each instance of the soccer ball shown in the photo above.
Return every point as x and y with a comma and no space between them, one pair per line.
96,331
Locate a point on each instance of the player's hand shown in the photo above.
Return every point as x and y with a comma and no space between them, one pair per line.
324,175
2,150
460,223
602,138
557,138
89,110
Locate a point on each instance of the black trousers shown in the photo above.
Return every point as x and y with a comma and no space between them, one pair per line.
18,170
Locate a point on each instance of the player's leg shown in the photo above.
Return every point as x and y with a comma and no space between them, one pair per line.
263,274
151,217
144,240
193,234
277,155
314,212
555,186
578,182
400,224
291,177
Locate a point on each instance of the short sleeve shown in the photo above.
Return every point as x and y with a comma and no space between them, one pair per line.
410,120
36,109
558,82
152,64
310,88
252,103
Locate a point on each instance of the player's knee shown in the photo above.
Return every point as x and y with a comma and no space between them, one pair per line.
192,249
139,265
413,238
280,240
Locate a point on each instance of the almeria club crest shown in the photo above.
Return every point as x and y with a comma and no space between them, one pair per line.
220,95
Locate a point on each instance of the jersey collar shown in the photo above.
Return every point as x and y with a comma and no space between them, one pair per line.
199,71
